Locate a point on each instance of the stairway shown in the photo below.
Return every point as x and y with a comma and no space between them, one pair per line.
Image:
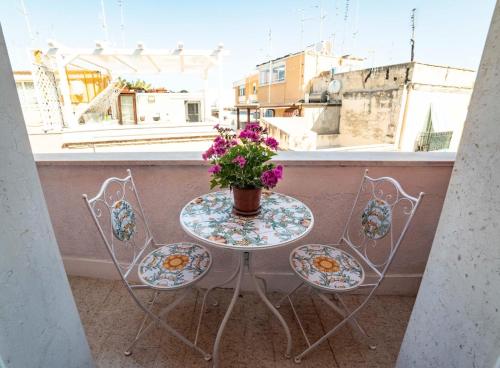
102,102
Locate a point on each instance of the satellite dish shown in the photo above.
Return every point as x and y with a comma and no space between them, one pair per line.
334,86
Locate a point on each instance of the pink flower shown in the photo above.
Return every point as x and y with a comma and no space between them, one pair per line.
270,177
215,169
253,126
240,161
250,134
208,154
220,146
278,171
271,143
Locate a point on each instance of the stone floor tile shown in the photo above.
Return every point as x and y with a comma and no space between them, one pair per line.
111,355
253,336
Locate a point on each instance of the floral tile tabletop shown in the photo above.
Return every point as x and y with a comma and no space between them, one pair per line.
282,220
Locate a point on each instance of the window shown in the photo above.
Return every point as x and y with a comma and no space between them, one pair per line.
269,113
279,73
264,76
26,92
193,112
29,93
254,89
241,91
429,140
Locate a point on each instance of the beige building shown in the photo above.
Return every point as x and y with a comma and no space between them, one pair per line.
408,107
413,106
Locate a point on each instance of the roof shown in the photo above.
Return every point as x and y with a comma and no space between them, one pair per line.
140,60
280,58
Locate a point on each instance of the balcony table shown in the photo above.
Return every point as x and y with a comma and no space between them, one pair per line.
282,220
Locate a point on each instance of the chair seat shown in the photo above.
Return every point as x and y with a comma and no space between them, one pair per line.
174,266
327,267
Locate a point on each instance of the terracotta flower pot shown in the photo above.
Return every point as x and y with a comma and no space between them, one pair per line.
246,201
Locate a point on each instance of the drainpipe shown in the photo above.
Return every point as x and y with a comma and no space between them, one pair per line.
269,82
405,102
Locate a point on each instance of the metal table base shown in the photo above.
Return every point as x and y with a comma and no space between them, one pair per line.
244,262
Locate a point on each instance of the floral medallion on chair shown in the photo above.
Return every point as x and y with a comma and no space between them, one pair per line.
327,267
282,219
376,219
123,220
174,265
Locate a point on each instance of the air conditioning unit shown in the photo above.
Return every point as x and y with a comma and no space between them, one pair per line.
318,97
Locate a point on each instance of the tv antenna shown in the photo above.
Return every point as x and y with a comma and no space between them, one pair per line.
346,17
122,22
302,20
28,22
322,16
412,40
104,24
270,72
356,23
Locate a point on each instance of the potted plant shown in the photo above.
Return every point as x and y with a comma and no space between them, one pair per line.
241,163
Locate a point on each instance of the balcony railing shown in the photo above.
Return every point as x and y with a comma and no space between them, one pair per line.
325,181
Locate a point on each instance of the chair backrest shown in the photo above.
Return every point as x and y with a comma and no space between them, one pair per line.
120,220
378,221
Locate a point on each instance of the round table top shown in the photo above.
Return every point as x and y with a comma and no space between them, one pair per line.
282,220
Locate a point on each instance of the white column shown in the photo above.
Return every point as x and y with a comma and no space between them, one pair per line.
69,116
456,318
39,323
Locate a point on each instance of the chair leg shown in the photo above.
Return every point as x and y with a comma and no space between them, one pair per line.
297,318
157,319
367,338
287,296
128,351
348,318
344,311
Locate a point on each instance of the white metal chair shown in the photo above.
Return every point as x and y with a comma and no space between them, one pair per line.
377,224
120,219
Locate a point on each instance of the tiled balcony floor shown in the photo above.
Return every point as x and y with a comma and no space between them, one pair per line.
253,338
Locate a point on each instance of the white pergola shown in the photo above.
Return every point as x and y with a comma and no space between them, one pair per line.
140,60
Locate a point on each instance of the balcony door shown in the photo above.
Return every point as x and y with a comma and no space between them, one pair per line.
127,106
193,109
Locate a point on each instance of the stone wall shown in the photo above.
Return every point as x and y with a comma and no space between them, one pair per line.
456,318
40,325
390,104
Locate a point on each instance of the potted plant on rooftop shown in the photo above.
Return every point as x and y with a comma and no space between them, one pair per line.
241,162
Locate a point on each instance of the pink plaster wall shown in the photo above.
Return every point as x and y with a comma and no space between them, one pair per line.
328,188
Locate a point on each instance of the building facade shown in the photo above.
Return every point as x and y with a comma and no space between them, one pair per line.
282,87
405,107
412,106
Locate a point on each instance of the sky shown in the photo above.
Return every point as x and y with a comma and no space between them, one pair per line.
448,32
